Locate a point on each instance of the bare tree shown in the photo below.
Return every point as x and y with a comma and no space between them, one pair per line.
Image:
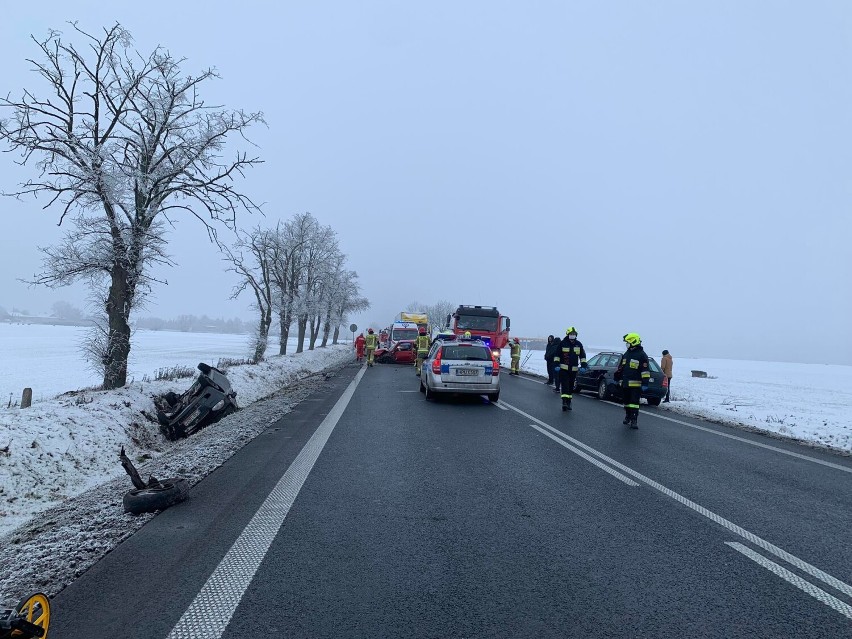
120,142
438,312
252,258
319,250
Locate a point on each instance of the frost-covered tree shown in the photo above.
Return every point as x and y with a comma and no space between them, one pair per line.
121,142
438,312
252,259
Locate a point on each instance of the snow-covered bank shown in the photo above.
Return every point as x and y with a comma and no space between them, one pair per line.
807,402
61,447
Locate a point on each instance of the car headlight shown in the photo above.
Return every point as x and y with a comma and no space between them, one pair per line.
218,405
496,352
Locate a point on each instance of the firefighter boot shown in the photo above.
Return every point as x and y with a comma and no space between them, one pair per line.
626,416
569,405
634,417
564,405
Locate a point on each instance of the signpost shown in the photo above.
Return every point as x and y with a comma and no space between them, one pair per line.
353,328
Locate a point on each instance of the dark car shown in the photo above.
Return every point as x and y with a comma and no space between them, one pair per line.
599,379
209,399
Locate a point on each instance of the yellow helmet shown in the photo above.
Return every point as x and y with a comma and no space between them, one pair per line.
467,334
633,339
570,330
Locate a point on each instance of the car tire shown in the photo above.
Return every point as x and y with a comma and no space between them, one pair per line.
430,394
147,500
422,387
494,397
653,401
603,390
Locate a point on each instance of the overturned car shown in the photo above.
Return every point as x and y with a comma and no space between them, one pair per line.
208,400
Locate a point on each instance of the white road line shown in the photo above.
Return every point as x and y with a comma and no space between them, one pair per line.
802,584
847,469
588,458
500,405
211,610
742,532
408,391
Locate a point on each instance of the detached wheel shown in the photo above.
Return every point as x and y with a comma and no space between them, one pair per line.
603,390
34,609
147,500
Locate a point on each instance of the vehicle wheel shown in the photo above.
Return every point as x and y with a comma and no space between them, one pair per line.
653,401
36,610
603,390
422,387
494,397
147,500
430,394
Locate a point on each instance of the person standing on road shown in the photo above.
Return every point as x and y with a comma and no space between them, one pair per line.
359,347
667,364
515,346
549,352
633,374
422,344
555,359
572,359
371,342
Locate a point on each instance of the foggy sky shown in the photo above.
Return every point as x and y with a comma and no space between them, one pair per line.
681,170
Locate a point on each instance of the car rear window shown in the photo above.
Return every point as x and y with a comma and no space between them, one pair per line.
469,353
653,366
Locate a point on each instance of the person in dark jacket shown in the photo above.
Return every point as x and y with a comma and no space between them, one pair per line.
572,359
633,373
548,358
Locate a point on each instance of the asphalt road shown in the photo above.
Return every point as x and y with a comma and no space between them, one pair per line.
459,518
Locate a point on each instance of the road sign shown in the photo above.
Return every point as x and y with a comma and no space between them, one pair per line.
353,328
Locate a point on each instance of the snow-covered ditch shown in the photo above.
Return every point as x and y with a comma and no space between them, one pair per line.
61,482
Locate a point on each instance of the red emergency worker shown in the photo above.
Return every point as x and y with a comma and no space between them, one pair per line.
360,341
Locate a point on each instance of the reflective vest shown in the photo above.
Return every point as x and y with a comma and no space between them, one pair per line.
516,350
372,340
422,344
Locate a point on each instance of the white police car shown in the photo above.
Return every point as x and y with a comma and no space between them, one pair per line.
460,365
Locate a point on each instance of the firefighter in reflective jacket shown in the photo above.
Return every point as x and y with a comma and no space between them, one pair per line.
515,346
634,375
422,344
371,342
572,359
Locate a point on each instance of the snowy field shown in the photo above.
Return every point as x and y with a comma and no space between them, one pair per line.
807,402
48,358
61,446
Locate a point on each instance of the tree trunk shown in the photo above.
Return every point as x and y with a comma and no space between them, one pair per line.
303,324
262,335
118,339
336,334
315,329
326,330
285,332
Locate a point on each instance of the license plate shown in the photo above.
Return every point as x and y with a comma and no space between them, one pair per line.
192,416
467,371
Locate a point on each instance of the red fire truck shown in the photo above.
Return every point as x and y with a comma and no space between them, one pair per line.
484,322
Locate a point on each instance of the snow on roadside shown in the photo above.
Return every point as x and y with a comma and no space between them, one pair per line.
803,402
58,545
61,447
